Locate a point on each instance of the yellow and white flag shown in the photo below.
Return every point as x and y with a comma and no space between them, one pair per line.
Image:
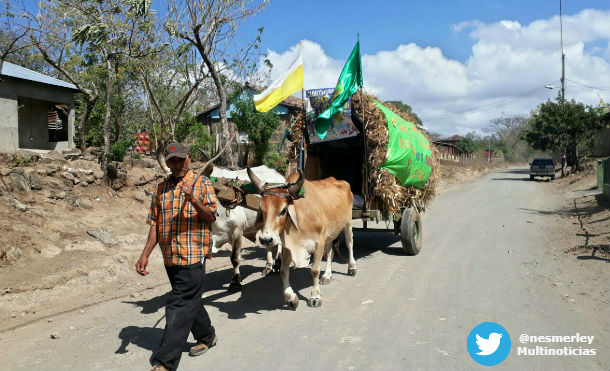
284,86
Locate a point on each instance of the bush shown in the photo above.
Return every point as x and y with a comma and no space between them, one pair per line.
275,161
119,148
197,139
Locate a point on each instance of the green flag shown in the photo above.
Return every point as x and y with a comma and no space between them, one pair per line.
349,82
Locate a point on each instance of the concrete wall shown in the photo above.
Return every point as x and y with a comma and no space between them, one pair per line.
9,136
23,114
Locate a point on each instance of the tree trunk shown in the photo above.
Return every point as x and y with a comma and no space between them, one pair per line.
109,86
89,103
222,95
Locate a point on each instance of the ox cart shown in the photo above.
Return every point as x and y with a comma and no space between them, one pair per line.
353,151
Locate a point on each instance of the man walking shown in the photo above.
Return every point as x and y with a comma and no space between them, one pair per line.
180,217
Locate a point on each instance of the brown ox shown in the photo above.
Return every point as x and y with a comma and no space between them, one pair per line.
306,226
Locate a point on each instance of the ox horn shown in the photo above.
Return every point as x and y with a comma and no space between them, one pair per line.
256,181
295,187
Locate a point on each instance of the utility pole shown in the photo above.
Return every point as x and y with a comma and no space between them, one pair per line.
563,56
563,84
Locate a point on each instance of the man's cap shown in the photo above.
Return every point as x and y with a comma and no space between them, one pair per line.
176,149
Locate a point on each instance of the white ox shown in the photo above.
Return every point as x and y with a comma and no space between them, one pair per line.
305,226
240,221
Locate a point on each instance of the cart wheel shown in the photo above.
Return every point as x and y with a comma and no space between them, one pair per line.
411,232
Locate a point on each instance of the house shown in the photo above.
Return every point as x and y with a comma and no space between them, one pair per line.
36,110
287,110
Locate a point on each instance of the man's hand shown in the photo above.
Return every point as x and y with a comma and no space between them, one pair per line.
141,265
187,190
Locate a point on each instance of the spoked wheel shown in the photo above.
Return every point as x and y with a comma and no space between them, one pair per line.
411,232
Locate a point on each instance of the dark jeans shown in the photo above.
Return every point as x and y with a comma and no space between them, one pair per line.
184,313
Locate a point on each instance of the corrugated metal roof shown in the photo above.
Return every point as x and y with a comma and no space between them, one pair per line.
13,70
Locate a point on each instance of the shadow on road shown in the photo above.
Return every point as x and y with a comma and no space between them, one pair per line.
150,306
514,171
147,338
520,179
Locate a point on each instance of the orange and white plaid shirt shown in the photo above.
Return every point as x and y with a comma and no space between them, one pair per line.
184,237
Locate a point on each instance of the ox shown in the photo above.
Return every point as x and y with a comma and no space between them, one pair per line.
305,226
232,224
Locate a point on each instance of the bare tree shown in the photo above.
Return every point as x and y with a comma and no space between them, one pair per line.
171,80
15,28
211,26
508,128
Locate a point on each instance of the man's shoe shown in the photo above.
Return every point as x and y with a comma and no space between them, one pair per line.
200,348
158,367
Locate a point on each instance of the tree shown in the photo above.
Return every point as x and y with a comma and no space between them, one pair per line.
14,30
75,62
563,124
259,126
466,146
403,107
77,37
171,81
508,129
211,26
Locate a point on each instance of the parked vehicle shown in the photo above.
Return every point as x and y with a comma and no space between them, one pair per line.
542,167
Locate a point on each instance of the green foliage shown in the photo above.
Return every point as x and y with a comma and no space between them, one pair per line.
197,140
563,124
20,161
275,161
259,126
466,146
184,125
119,148
403,107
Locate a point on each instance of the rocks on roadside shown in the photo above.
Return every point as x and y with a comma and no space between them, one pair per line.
103,234
84,203
54,335
11,254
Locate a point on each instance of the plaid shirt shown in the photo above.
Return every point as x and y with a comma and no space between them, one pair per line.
184,237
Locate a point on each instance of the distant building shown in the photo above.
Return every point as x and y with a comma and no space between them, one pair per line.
36,110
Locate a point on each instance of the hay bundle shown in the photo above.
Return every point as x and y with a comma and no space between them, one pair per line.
296,134
387,190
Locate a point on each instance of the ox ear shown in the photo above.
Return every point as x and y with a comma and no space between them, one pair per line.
294,188
255,180
292,212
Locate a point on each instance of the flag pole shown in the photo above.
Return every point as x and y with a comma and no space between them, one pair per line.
301,154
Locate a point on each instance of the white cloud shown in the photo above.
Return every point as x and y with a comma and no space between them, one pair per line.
507,70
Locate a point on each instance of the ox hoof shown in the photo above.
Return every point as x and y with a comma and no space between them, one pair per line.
351,272
235,287
292,305
314,303
324,281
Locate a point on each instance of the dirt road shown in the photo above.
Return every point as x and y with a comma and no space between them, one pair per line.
494,250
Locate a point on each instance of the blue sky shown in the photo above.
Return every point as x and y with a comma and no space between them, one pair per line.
383,25
458,63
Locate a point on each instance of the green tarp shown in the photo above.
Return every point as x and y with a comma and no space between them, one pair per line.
408,153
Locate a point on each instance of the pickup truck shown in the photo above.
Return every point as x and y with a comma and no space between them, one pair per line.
542,167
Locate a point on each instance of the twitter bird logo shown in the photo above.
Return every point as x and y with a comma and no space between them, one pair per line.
488,346
488,343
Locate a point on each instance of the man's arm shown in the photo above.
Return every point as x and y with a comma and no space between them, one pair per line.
151,242
203,211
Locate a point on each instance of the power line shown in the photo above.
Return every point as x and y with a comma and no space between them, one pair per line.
586,86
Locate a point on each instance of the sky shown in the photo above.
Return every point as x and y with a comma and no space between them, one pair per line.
458,63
